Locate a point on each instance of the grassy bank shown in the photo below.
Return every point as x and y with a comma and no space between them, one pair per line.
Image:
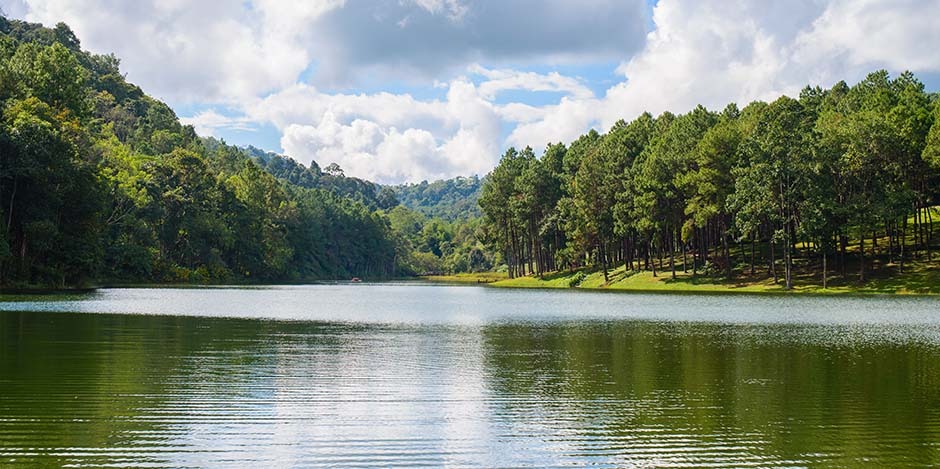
920,279
479,277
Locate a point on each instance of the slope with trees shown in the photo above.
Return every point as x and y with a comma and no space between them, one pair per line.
841,182
99,181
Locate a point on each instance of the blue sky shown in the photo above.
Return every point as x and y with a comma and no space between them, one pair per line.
405,90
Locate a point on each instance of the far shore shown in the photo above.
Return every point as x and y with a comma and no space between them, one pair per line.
918,281
923,280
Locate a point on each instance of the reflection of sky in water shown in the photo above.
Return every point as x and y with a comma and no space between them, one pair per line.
375,397
842,317
384,375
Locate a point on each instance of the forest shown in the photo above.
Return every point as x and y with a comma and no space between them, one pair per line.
100,183
836,182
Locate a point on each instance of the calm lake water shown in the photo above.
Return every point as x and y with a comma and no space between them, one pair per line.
414,374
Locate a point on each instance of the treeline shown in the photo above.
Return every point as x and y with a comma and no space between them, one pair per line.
838,180
432,246
99,181
331,178
449,199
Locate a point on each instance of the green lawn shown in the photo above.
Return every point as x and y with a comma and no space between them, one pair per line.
479,277
920,279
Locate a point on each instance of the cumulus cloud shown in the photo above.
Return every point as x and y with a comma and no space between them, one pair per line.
710,52
385,137
208,123
186,51
860,35
423,38
230,50
365,149
713,52
508,79
298,66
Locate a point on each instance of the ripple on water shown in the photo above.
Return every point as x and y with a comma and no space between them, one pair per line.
467,377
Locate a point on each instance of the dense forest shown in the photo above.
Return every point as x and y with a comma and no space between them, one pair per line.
449,199
834,182
101,183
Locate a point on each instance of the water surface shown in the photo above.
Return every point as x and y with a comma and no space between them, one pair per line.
413,374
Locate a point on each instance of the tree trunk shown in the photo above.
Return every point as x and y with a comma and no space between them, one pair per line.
901,247
672,255
10,213
889,229
861,259
685,259
724,245
652,262
626,256
773,262
753,243
928,232
843,242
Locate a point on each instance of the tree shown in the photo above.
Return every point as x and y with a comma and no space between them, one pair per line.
770,180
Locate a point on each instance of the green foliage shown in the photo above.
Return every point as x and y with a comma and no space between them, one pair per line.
451,199
100,181
791,180
432,246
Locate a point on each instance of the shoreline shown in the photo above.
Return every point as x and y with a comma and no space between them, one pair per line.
922,283
925,282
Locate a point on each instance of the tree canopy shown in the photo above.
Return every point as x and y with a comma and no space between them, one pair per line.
796,181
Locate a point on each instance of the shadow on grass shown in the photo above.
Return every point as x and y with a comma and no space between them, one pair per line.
565,273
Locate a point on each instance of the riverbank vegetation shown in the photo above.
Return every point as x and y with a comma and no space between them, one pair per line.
834,188
101,183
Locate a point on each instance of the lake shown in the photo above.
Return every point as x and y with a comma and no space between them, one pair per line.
428,375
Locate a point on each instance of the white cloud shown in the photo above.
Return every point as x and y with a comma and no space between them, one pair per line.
185,51
384,137
508,79
563,122
420,40
362,148
860,35
453,9
249,56
226,51
208,123
713,52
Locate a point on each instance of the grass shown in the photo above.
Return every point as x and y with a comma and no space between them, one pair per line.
480,277
919,279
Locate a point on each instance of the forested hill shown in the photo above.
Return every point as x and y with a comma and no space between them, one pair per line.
841,182
100,182
451,199
331,178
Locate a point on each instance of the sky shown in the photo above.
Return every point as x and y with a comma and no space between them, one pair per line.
408,90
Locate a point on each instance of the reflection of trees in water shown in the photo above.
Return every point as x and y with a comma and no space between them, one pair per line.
80,381
119,389
656,390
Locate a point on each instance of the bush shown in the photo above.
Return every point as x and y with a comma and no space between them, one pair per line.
577,279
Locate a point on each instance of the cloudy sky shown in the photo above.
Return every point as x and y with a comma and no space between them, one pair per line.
406,90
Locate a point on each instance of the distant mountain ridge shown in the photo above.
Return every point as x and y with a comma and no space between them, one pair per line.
450,199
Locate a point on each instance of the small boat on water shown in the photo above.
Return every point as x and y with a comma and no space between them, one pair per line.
356,280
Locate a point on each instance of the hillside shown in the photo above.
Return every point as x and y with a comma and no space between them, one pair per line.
451,199
100,182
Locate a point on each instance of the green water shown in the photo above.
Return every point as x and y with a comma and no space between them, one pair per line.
412,375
